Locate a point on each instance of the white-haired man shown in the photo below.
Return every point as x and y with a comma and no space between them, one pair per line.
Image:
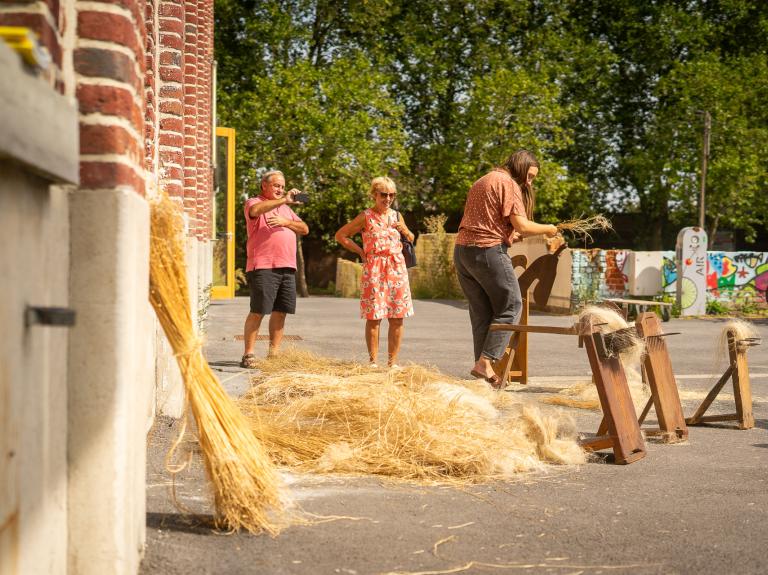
271,266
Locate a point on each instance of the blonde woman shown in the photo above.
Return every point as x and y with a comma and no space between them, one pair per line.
384,289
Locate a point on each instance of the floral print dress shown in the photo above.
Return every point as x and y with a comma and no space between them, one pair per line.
384,288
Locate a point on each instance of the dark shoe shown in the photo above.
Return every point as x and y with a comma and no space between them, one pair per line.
248,361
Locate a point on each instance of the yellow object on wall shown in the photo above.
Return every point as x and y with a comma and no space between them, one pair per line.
24,41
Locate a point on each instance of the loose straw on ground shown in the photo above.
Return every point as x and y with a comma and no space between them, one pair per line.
582,227
246,486
416,424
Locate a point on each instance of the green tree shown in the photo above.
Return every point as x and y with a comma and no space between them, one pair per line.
302,103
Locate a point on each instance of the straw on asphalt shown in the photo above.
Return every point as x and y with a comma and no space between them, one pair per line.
319,415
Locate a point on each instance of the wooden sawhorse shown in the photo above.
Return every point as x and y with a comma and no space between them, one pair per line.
661,379
738,371
622,431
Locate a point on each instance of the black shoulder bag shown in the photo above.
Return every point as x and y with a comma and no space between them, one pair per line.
409,253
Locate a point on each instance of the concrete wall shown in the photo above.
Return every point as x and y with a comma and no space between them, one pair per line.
736,278
124,112
34,255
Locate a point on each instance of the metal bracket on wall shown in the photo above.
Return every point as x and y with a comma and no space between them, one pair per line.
54,316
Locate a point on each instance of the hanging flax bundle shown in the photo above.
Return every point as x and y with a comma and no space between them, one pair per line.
580,228
246,487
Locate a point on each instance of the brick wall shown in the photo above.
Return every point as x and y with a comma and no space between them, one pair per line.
109,61
142,77
615,278
587,273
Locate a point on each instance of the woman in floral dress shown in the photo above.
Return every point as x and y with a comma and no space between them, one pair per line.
384,289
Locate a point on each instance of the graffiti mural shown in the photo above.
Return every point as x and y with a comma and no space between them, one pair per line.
728,272
668,272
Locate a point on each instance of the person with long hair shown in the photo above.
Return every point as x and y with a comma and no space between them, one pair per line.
384,288
498,211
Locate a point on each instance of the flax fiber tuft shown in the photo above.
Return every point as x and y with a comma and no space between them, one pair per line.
584,395
580,228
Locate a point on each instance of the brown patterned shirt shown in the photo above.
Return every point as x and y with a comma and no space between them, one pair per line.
490,202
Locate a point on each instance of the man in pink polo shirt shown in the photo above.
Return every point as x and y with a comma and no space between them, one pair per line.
271,267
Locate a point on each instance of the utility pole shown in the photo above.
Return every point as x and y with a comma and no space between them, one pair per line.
704,158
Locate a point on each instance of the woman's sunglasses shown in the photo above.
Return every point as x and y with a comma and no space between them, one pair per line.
386,195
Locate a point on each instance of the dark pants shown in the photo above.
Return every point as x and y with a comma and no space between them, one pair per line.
490,285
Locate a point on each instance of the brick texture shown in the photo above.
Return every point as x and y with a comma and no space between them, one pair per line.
142,82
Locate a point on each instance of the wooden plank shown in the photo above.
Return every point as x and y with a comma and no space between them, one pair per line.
645,411
639,302
618,410
661,379
535,329
597,443
720,417
742,391
696,417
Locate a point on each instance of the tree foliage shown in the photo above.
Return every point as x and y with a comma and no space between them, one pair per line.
608,94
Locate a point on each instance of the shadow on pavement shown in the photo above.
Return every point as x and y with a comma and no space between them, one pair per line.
198,524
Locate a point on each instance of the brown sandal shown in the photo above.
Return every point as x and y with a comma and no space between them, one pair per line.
494,380
248,361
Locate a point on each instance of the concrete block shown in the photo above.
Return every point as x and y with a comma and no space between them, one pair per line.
109,380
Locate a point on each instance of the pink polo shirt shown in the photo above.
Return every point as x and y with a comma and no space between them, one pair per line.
270,247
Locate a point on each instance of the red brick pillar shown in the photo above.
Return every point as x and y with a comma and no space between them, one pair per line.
190,114
109,61
205,101
151,114
171,101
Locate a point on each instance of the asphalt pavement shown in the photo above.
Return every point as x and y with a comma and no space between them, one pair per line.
696,507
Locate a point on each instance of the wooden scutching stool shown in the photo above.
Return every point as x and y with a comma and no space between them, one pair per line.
621,429
658,371
738,371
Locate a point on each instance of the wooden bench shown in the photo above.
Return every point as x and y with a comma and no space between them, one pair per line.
642,305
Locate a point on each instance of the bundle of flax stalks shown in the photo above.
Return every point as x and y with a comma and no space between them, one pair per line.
581,227
416,424
584,395
245,482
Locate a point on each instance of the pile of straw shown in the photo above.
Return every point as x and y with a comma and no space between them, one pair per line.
584,395
580,228
246,486
415,424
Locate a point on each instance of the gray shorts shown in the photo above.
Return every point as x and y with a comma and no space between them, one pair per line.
272,290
